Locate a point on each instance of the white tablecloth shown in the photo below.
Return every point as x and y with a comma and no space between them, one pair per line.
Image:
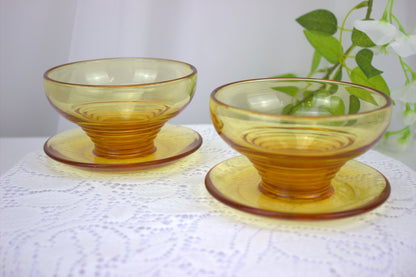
56,220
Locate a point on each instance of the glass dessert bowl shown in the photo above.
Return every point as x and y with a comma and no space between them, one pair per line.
121,105
298,138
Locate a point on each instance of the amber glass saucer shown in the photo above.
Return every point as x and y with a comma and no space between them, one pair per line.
74,147
358,188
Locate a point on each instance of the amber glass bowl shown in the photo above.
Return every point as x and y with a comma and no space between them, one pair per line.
121,103
297,133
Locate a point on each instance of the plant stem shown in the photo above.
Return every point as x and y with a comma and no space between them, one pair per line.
339,65
304,100
331,70
369,9
346,53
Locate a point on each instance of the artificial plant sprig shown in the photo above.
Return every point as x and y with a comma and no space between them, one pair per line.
368,37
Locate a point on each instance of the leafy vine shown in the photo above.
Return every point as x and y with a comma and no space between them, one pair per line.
369,37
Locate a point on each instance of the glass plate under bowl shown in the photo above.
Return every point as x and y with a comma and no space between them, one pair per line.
358,188
75,148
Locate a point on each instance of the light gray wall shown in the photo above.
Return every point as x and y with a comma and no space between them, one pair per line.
226,40
34,35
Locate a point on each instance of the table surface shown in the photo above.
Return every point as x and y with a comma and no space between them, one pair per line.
59,220
14,149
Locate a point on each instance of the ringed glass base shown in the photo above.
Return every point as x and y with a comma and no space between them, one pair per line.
358,188
75,148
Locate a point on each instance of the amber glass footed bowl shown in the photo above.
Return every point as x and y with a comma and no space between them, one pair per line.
298,133
121,103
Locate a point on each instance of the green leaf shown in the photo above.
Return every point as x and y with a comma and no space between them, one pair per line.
290,109
332,88
315,61
358,77
363,95
364,58
336,107
354,106
377,82
338,76
361,39
319,20
362,5
324,111
307,93
289,90
287,109
326,45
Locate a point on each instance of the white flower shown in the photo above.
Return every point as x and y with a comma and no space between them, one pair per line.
404,45
397,140
382,33
379,31
408,115
382,49
406,94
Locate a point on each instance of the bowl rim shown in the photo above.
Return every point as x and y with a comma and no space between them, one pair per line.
48,78
387,105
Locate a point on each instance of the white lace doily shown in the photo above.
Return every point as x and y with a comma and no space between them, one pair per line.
56,220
